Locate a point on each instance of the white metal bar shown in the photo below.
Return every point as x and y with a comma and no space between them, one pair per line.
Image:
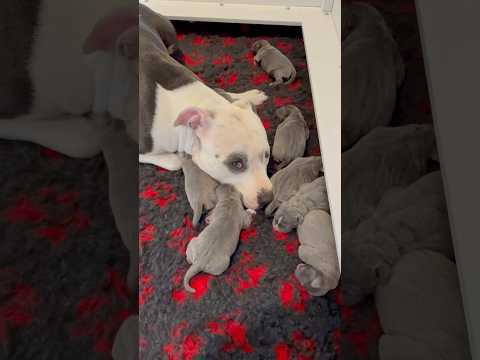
323,52
285,3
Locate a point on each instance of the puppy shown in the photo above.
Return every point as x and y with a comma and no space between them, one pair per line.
421,311
273,62
200,189
407,219
287,181
291,213
161,25
125,346
321,271
372,72
290,137
210,252
384,158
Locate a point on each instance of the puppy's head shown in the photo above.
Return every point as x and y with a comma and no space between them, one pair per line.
286,219
257,45
232,147
369,265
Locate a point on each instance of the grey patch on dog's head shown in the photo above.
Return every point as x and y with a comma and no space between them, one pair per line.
236,162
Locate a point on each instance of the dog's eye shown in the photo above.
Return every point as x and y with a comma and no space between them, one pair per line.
267,155
238,164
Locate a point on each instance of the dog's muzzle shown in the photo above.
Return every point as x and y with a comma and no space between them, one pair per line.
264,197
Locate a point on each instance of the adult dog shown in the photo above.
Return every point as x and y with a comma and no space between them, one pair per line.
48,84
180,114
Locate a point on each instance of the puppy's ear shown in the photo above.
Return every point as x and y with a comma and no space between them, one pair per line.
195,118
108,30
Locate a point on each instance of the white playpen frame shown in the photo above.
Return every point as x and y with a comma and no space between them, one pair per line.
320,22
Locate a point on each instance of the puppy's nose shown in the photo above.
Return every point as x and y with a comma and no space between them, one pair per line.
264,197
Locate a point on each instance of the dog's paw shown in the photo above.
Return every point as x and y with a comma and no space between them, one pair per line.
251,212
257,97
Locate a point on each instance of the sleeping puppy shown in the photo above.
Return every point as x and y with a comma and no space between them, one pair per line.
210,252
321,271
273,62
372,71
407,219
291,213
287,181
384,158
200,189
125,346
161,25
421,311
291,136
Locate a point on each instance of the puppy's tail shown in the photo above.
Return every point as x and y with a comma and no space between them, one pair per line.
191,272
293,76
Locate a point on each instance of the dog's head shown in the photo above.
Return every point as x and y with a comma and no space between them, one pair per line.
287,218
257,45
232,147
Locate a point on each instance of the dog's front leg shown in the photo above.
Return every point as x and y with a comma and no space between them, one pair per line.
254,97
69,135
170,162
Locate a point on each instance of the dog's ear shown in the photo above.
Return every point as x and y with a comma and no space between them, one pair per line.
120,27
195,118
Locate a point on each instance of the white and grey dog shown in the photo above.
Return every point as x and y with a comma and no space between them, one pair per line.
180,114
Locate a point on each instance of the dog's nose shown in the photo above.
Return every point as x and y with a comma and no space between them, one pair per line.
264,197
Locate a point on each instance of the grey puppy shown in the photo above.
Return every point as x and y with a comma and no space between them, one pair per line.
210,252
125,346
274,62
162,25
407,219
310,196
372,71
421,310
290,137
321,271
384,158
200,189
287,181
121,155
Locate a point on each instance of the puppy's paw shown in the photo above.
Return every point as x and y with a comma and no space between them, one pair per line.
311,279
251,212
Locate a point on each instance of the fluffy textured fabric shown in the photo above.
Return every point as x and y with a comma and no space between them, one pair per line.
63,264
257,308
